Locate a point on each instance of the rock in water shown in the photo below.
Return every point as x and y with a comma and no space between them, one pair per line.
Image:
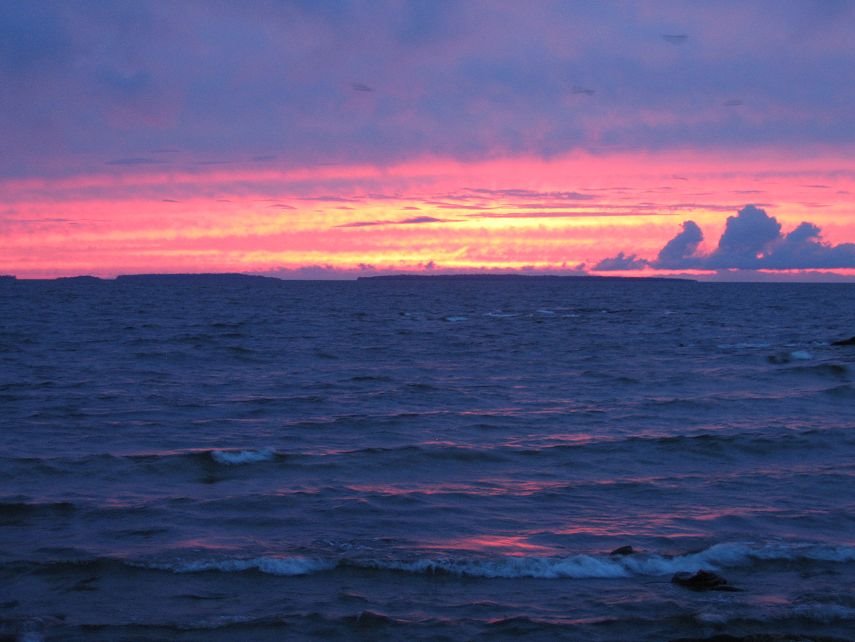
623,550
844,342
702,581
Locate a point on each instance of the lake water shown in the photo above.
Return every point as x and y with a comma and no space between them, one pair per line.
226,458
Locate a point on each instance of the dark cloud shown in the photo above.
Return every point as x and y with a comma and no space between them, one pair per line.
330,199
415,220
424,219
680,251
621,262
803,248
585,91
752,240
747,239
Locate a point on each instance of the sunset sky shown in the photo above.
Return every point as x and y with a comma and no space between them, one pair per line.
330,139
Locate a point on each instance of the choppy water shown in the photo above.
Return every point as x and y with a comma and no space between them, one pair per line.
225,458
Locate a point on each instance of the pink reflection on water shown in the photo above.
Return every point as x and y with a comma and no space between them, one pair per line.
484,487
513,545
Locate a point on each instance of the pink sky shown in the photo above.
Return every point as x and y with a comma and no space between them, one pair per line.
401,136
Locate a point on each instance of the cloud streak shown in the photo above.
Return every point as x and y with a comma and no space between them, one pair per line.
414,220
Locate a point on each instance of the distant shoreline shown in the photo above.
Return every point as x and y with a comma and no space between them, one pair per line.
514,277
409,277
237,276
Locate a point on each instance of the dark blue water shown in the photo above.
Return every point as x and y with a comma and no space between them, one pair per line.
238,459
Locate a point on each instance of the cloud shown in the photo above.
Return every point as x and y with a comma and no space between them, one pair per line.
621,262
423,219
415,220
803,248
680,251
747,239
752,240
516,193
134,161
468,81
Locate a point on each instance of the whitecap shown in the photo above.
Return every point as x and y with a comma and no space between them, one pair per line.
730,554
235,457
577,566
801,355
286,566
500,315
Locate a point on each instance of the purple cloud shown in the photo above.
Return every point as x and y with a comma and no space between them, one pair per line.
747,240
621,262
680,252
415,220
752,240
158,79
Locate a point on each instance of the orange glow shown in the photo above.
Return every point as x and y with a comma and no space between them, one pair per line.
499,214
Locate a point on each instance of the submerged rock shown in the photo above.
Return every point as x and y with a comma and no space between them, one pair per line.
623,550
844,342
702,581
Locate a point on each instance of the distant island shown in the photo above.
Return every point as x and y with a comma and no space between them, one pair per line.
515,277
237,277
204,276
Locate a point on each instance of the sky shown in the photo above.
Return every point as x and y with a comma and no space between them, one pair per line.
332,139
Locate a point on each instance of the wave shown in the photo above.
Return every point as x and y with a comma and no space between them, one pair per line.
286,566
228,457
236,457
828,370
599,567
705,443
581,566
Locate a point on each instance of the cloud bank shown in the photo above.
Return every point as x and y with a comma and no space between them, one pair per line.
289,82
752,240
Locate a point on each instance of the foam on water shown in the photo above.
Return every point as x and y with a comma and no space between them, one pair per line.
582,566
801,355
236,457
286,566
728,555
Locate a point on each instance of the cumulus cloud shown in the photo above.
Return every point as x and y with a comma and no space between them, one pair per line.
621,262
681,250
748,239
753,240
